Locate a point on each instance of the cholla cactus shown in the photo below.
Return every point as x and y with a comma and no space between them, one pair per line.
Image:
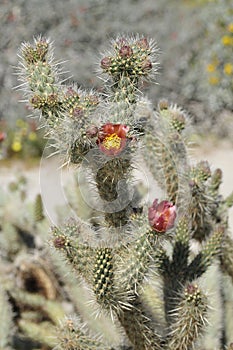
132,244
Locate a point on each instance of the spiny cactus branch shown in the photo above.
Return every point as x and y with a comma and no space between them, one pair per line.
189,319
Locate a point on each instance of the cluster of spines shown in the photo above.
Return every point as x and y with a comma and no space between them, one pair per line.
229,200
37,53
65,110
207,207
189,319
227,255
131,57
172,268
200,262
179,270
137,260
71,132
77,254
163,170
38,209
215,182
107,180
210,250
103,276
78,103
181,245
72,335
6,319
139,328
41,76
129,61
173,116
200,202
163,138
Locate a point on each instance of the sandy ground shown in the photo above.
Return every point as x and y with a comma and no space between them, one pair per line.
50,180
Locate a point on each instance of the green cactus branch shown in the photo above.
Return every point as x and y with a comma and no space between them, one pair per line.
181,247
204,259
6,318
49,308
80,256
229,200
107,179
42,333
139,328
189,319
226,257
72,335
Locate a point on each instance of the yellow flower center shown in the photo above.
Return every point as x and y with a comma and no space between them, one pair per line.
227,40
228,68
230,27
112,142
32,136
211,67
16,146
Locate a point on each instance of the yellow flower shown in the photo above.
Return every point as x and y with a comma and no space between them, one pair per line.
228,68
16,146
213,80
21,123
211,67
230,27
32,136
227,40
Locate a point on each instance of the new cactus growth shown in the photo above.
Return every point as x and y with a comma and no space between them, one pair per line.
134,243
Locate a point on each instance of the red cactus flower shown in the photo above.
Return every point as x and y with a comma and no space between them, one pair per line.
162,215
112,138
2,136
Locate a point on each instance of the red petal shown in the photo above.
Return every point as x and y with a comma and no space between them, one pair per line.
108,129
161,224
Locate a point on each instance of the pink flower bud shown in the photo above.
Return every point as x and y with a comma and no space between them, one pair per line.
70,92
92,131
143,43
121,42
59,242
105,62
162,215
78,112
125,51
2,136
191,289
